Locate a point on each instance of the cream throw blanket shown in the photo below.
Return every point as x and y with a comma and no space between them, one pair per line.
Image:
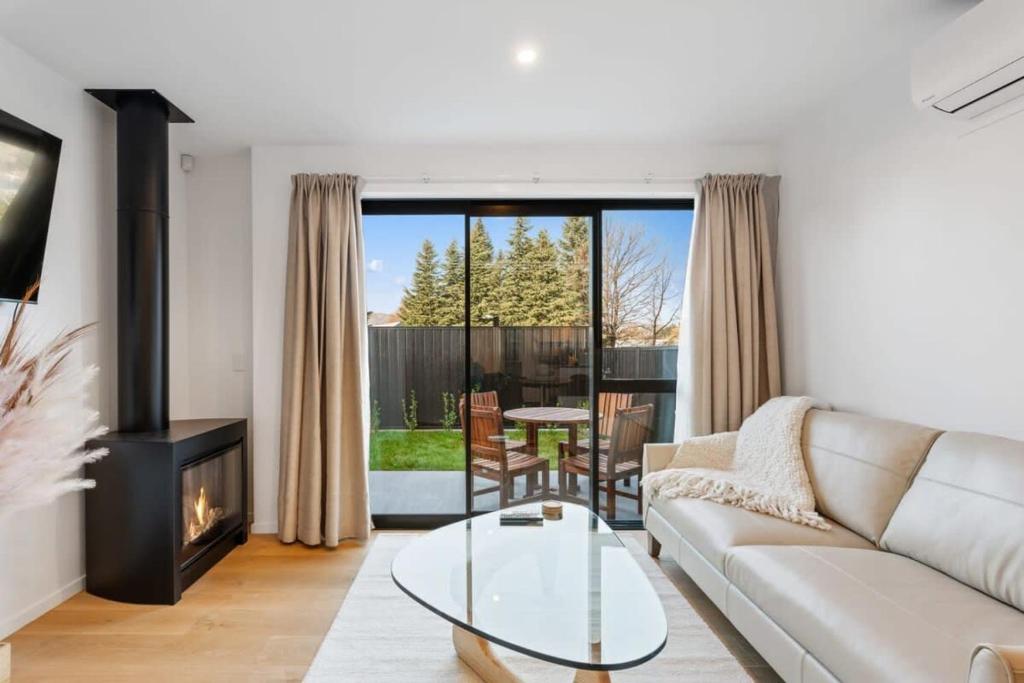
759,468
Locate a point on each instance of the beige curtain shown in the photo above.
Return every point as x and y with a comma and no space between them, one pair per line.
323,493
729,341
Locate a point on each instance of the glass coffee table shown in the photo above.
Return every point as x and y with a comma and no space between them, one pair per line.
566,592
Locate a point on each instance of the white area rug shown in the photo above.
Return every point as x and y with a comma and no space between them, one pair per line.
380,634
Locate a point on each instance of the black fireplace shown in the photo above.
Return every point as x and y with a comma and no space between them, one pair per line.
167,506
171,496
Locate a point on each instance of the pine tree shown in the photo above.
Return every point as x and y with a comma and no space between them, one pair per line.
483,276
545,297
516,276
574,257
419,307
451,287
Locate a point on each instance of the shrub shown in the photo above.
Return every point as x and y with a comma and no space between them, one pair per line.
450,416
409,412
375,417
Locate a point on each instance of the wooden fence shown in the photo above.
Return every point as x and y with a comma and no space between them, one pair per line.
525,365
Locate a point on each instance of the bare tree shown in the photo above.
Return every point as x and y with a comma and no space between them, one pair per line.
627,256
639,287
662,308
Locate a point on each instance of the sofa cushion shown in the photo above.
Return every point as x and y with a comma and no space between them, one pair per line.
964,514
713,528
868,615
861,466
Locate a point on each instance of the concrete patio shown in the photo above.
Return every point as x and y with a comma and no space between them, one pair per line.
424,493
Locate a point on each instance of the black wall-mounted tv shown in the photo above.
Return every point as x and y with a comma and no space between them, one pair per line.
28,175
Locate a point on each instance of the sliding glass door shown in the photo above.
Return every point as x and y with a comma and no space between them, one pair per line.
519,351
530,353
416,335
643,266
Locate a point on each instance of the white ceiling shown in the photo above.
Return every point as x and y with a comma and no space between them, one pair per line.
443,71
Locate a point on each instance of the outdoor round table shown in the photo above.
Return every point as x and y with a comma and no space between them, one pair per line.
533,418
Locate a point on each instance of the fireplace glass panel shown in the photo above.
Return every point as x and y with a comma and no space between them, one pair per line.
211,497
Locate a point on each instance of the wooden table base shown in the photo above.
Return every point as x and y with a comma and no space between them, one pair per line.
478,654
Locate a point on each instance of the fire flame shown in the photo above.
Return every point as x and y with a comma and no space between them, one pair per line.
201,506
204,516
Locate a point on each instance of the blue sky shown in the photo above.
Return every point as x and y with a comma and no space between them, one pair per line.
393,241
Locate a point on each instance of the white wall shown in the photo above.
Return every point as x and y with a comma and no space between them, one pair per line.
218,283
41,550
271,186
901,254
211,284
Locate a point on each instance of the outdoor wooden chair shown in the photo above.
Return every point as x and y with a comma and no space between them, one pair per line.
498,459
485,398
490,398
608,406
622,460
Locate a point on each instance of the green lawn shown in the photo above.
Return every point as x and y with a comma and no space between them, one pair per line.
435,449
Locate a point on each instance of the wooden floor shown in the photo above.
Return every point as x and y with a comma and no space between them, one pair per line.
259,615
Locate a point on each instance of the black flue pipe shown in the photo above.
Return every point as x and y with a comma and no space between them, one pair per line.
143,390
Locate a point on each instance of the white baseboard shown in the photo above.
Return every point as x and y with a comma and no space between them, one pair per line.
263,528
9,625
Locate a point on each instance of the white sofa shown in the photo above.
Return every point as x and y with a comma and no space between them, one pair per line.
921,577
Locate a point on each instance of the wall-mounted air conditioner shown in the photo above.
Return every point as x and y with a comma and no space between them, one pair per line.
973,69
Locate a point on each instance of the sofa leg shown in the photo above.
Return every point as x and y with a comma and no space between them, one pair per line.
653,545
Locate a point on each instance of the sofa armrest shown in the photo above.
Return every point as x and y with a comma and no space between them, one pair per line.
997,664
657,456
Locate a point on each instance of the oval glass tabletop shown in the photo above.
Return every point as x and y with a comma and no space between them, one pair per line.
566,591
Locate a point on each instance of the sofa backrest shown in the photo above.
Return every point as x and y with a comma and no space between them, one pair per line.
861,466
964,514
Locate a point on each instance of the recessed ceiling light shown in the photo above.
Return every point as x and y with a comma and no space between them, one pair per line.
526,55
